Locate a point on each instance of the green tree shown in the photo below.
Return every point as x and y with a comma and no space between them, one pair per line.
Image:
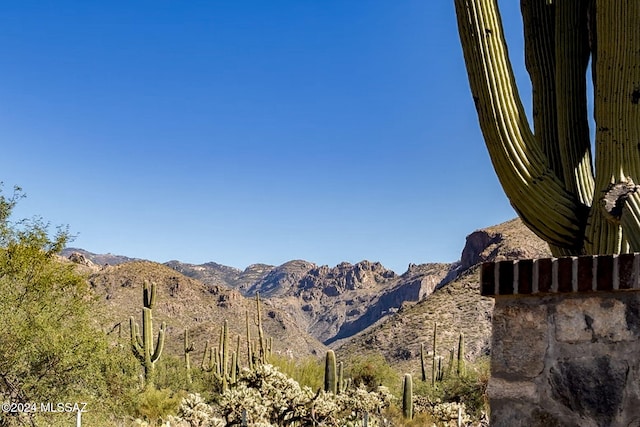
547,173
50,351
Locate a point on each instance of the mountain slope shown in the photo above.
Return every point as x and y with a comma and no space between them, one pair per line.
356,308
187,303
331,303
456,306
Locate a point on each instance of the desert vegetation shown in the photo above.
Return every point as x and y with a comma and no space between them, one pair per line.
56,360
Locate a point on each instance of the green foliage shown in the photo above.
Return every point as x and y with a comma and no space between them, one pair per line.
469,389
373,371
395,417
50,349
307,371
155,405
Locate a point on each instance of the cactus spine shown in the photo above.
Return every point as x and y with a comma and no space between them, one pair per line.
330,379
407,397
142,345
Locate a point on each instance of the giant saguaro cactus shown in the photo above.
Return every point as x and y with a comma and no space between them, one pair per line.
547,173
142,345
188,348
407,397
330,378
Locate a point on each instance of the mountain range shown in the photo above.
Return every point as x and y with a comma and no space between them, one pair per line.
353,308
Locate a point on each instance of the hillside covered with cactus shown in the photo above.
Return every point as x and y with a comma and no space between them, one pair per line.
384,313
142,344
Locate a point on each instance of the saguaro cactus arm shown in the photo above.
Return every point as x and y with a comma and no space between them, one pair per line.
142,344
548,175
527,178
137,346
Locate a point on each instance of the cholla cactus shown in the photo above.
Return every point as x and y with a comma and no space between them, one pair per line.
266,397
195,411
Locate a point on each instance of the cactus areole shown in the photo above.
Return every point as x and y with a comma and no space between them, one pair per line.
576,205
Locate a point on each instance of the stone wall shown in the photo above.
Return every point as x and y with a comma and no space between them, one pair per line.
566,341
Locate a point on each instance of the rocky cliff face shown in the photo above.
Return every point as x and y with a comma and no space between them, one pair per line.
456,305
280,280
332,303
336,304
509,240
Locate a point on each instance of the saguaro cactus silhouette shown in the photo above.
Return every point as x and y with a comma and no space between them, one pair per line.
547,173
142,345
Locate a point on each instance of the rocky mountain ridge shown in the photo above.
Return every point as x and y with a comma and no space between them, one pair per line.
332,303
353,308
456,305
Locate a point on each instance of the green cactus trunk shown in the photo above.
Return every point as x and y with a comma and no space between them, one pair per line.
188,348
407,397
263,354
330,379
547,173
223,352
142,345
434,366
461,364
423,363
250,358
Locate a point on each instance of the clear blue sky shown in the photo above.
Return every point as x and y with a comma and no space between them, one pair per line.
248,131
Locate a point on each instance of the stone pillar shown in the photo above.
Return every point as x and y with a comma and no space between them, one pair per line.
566,341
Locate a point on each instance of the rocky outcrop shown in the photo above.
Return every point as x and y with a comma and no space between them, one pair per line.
97,259
509,240
456,305
281,280
84,264
330,302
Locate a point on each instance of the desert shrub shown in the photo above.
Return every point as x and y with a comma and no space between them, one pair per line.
395,418
50,347
469,389
170,372
155,405
467,392
306,372
372,371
